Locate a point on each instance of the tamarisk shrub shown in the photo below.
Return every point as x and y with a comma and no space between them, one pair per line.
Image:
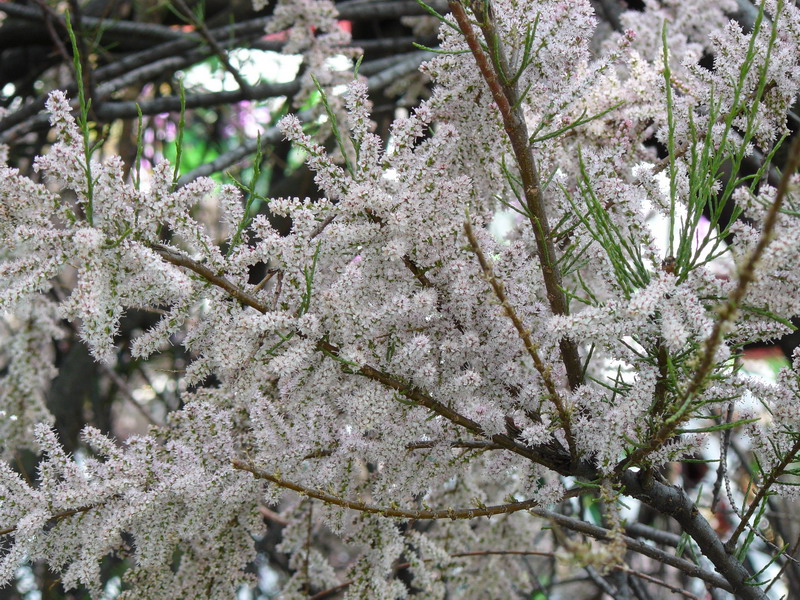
420,406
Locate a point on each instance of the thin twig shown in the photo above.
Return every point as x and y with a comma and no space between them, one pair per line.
181,260
654,535
600,582
51,17
56,517
215,47
423,445
673,588
470,445
123,387
271,515
509,104
722,469
764,489
785,564
270,274
525,335
447,513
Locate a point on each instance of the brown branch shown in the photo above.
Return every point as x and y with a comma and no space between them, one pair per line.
271,515
56,517
270,274
447,513
422,445
525,335
321,227
181,260
469,445
330,592
509,103
544,456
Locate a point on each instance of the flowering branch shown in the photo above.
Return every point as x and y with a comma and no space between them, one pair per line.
508,103
727,314
448,513
420,381
657,495
543,456
525,335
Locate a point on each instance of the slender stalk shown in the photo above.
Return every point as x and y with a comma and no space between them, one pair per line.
764,489
208,36
447,513
525,335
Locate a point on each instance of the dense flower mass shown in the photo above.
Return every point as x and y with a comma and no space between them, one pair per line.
403,360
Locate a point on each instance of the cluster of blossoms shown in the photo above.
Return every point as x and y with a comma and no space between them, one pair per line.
404,359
